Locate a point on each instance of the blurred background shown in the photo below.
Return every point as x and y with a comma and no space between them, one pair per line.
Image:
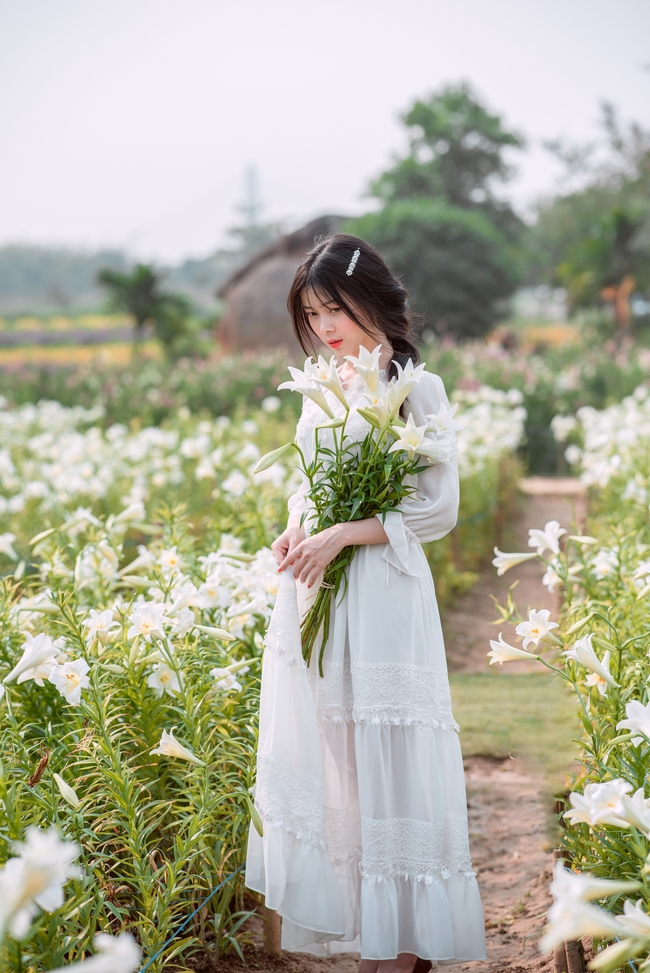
166,166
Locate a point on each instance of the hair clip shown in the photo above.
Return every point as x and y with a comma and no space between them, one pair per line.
353,262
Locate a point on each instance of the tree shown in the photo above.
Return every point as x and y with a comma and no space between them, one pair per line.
595,239
456,154
140,294
454,263
441,227
608,264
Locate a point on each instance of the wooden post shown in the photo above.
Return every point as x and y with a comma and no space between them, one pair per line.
575,957
272,931
569,957
560,964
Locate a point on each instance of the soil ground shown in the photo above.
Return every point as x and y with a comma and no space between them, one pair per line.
510,810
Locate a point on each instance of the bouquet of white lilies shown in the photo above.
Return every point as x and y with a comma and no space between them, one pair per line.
356,479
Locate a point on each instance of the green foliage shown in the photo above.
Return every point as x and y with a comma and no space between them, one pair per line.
148,392
616,247
598,234
156,832
441,227
140,294
487,501
605,625
456,154
458,268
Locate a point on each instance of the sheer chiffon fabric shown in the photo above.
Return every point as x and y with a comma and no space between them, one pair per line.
359,774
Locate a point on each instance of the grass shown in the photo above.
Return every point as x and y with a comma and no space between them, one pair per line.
530,715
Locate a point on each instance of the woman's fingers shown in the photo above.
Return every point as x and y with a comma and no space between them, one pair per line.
290,557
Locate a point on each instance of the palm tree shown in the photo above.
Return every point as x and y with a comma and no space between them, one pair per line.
140,294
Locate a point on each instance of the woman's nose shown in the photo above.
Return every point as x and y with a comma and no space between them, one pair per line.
325,325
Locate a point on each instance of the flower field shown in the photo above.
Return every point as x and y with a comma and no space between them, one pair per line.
601,647
551,379
136,587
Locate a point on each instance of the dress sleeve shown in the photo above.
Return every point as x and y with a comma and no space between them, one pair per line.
298,503
433,511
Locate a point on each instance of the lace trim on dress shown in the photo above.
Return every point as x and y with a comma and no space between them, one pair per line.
290,799
420,850
384,693
343,826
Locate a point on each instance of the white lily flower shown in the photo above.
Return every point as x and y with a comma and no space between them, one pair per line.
70,678
100,625
37,650
406,380
163,679
503,652
583,653
442,422
147,620
270,404
605,563
184,595
637,811
635,921
571,917
170,561
183,622
214,594
134,511
170,747
326,375
503,562
35,879
305,383
600,803
547,539
145,559
378,403
67,793
115,954
638,718
597,680
537,626
41,673
551,578
367,365
412,440
224,680
6,545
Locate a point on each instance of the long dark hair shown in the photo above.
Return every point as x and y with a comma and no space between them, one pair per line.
371,290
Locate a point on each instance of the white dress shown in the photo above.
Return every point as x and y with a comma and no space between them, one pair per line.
360,780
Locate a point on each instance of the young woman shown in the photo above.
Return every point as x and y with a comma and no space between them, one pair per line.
359,773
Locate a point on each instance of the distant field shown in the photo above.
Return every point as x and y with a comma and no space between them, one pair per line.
113,353
62,322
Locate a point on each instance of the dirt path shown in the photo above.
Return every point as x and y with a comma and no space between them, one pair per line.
468,625
508,808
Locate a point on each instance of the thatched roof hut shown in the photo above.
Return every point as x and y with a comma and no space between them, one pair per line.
256,313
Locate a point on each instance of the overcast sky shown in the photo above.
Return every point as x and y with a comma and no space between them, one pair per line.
131,123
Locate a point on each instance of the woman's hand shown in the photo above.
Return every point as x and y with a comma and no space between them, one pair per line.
286,542
312,555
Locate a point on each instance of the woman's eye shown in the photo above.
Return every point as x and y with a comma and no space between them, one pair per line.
334,310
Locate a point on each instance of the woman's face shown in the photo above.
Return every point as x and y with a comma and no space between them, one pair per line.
335,329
